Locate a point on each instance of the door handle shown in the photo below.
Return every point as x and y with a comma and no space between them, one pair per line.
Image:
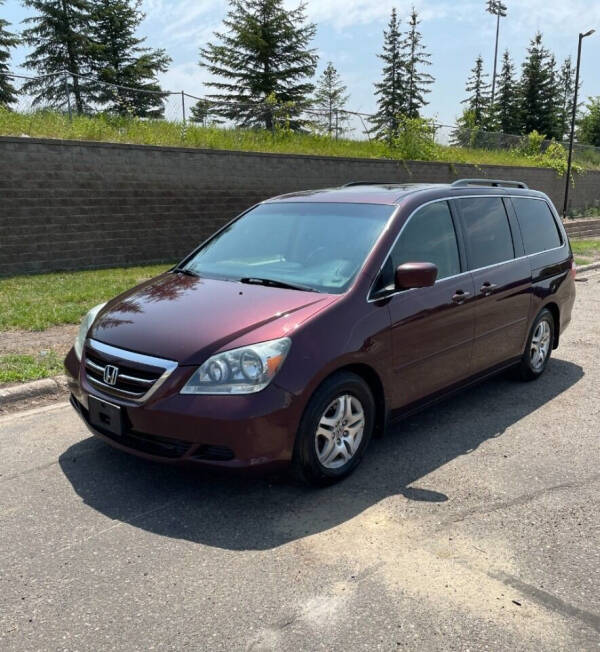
487,288
460,296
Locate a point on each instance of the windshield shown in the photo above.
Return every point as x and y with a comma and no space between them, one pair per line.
319,246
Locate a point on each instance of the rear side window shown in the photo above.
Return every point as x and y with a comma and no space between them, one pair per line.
487,231
429,237
538,226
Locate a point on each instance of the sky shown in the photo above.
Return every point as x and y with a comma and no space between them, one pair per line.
350,34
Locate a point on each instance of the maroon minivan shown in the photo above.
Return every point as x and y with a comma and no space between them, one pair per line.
305,325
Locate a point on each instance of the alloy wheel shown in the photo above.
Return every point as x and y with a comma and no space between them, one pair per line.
540,345
340,431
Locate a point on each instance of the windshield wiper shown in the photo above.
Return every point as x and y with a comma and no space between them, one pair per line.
184,270
250,280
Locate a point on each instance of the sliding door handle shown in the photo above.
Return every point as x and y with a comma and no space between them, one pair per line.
487,288
460,296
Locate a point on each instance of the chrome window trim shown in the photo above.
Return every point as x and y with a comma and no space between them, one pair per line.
470,271
169,366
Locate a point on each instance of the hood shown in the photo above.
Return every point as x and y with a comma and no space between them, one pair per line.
187,319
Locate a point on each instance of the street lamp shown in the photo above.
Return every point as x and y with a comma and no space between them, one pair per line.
496,8
573,119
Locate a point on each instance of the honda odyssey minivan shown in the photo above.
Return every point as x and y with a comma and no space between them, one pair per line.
307,324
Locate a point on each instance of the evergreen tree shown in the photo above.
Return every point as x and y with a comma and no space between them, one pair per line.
539,90
567,95
415,57
589,125
263,62
8,93
478,102
390,91
330,100
59,36
119,58
506,107
200,112
552,100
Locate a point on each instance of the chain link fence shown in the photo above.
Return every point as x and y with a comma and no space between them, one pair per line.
72,95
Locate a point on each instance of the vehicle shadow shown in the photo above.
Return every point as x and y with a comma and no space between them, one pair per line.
239,513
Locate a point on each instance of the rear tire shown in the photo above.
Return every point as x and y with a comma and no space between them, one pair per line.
539,347
335,430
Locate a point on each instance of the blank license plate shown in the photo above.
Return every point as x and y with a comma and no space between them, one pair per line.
106,416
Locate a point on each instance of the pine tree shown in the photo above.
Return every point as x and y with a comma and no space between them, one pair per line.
119,58
506,107
567,93
478,102
329,101
415,57
539,90
552,101
263,61
391,90
8,93
59,36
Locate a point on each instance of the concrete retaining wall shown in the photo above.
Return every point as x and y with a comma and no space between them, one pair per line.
75,205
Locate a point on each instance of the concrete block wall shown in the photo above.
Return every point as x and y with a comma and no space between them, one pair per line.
68,205
588,228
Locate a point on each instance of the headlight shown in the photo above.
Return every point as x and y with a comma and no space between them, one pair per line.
240,371
86,324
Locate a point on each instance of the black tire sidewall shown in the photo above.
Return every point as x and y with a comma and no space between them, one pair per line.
305,454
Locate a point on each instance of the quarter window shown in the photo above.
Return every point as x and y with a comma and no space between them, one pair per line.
537,224
429,237
487,231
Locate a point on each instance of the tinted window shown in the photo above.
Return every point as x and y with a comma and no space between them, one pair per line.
429,237
489,239
538,226
319,245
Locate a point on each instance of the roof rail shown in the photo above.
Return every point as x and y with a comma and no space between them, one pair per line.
372,183
496,183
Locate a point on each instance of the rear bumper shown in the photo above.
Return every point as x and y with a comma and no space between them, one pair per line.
235,432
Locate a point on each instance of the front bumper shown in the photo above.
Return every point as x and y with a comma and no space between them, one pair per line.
237,432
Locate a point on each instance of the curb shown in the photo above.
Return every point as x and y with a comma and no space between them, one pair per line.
588,268
35,389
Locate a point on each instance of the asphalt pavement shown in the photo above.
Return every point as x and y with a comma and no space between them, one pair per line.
472,526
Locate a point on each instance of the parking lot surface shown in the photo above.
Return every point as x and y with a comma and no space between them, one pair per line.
473,525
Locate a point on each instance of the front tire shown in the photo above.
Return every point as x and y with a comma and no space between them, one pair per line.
335,430
539,347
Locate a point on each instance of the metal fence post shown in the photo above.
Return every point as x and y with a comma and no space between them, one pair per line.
183,105
66,82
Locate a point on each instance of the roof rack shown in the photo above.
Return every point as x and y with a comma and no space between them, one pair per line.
496,183
372,183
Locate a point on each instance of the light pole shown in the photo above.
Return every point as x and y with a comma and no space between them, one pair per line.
496,8
573,119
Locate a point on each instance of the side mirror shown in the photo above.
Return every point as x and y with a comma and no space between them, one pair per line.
415,275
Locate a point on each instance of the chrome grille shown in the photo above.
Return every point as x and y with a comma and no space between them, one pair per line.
135,376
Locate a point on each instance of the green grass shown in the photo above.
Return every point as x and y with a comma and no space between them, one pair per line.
20,368
589,248
38,302
116,129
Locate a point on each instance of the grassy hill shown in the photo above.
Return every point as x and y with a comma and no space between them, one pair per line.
411,146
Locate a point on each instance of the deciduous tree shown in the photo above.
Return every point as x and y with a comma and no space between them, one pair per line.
589,125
